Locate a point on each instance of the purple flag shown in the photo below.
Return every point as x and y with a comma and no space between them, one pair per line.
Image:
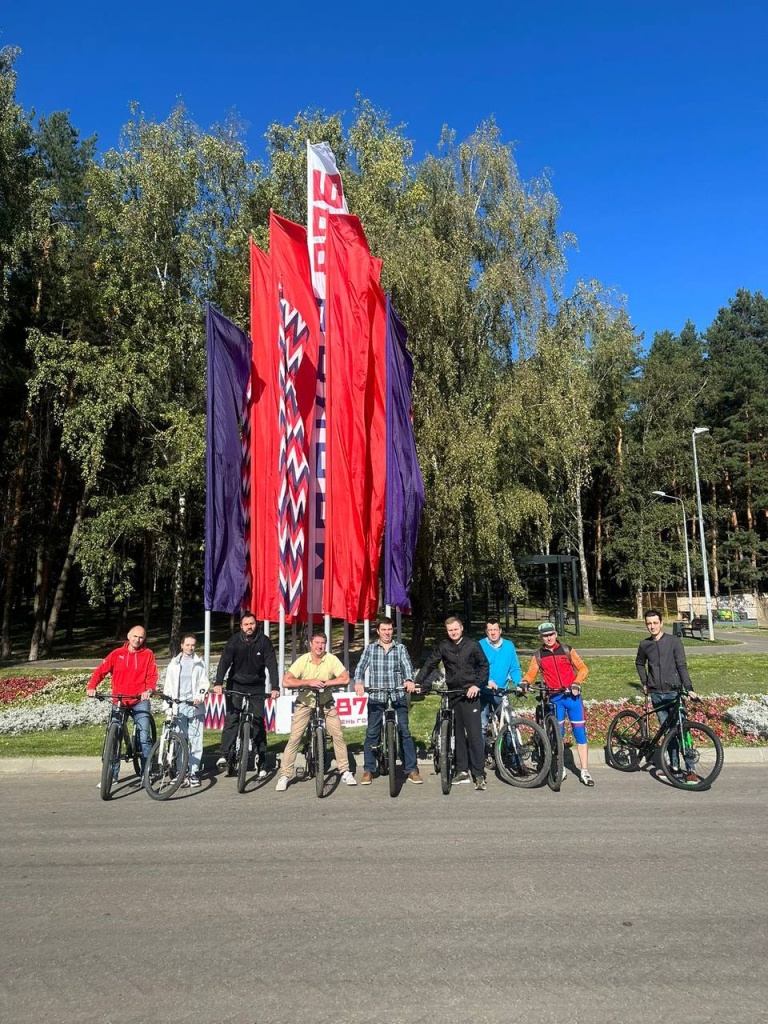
228,353
405,487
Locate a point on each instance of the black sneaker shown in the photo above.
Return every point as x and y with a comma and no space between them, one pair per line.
480,784
461,779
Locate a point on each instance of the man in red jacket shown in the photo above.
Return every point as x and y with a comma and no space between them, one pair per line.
134,677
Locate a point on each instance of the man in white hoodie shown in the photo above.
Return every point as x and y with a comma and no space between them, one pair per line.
186,679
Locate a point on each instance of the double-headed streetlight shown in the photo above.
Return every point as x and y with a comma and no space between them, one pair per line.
671,497
707,595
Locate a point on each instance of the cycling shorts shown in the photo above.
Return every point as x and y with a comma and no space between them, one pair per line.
566,703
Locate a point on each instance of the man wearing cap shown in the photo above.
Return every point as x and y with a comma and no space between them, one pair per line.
563,672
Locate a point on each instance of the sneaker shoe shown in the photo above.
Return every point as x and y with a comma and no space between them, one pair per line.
262,773
415,778
586,778
367,779
282,784
480,784
186,783
461,779
222,762
348,779
691,779
194,782
563,774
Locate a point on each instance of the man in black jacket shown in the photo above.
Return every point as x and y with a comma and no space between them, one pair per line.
466,669
248,656
662,667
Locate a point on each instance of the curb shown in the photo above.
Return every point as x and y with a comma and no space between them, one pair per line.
92,765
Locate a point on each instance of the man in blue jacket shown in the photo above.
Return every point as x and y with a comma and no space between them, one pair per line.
504,668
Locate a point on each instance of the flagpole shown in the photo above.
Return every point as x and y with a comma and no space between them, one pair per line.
281,648
207,641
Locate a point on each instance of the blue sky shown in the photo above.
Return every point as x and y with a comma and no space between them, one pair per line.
651,117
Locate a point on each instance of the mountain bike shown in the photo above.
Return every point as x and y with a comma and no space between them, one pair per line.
167,763
519,746
243,746
315,751
389,747
444,741
120,742
630,741
546,719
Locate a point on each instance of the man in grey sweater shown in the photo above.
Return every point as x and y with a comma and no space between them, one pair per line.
661,666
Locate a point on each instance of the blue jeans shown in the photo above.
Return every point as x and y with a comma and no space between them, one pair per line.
488,700
140,713
373,735
662,715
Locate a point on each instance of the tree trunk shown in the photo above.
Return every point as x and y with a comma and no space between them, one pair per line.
147,581
639,601
42,588
582,553
58,598
178,578
19,485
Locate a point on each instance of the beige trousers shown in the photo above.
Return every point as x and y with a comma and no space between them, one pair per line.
301,716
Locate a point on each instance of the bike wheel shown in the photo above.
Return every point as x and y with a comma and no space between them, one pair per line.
625,741
110,759
133,747
446,759
522,753
318,741
244,743
700,753
436,747
166,765
390,743
555,741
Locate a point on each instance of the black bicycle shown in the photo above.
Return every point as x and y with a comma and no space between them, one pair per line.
166,765
689,753
389,747
243,752
519,746
121,743
315,750
444,740
546,719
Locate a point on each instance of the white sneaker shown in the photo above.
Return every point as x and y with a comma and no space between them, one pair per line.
349,779
282,784
586,778
262,773
563,775
222,762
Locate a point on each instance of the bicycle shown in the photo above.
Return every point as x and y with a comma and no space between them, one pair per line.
519,746
243,746
389,748
166,765
546,719
117,737
444,741
630,742
315,752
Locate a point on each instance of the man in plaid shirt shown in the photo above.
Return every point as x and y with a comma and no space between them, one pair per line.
391,671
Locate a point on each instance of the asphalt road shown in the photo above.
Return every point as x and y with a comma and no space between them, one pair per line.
629,902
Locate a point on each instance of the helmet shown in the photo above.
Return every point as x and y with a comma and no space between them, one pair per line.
545,628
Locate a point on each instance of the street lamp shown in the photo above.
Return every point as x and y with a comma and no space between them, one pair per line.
707,595
671,497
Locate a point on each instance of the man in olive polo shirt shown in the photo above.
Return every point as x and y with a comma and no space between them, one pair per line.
308,674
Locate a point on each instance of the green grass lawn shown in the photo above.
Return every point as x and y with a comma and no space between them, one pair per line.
611,678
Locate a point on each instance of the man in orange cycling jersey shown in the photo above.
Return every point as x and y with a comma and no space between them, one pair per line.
563,670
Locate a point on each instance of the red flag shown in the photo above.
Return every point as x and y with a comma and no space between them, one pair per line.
376,462
351,393
296,310
265,442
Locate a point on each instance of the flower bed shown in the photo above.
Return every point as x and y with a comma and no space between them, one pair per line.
21,687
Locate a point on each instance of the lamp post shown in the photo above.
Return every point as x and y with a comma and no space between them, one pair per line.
671,497
707,595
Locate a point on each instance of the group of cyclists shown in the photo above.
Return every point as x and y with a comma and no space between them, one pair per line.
476,673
